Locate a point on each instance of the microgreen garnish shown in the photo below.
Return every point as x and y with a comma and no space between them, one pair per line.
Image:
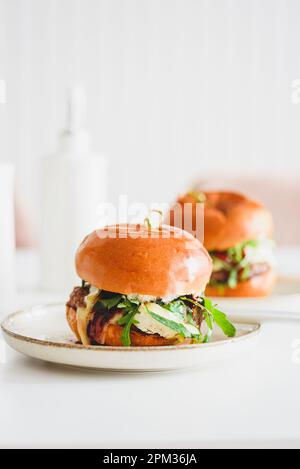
199,197
149,222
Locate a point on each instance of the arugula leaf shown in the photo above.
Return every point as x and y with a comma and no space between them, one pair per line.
208,336
212,313
208,319
128,321
190,319
220,264
236,253
175,326
127,304
220,319
225,325
176,307
235,262
131,309
207,316
194,302
233,279
109,303
245,273
123,320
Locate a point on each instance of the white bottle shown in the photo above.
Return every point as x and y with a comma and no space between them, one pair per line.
74,184
7,239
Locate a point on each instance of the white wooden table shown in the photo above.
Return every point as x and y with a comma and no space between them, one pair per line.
251,401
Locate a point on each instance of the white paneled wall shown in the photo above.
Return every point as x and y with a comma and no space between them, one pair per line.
175,87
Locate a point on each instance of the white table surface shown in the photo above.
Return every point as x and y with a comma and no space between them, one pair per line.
250,401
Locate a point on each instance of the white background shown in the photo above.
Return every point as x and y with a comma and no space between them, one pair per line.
175,87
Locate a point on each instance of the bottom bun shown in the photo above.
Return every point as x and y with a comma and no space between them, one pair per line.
257,286
72,321
114,332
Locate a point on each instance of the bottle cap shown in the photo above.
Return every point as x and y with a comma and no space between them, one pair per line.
75,139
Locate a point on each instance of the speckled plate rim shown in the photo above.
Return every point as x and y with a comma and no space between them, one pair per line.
105,348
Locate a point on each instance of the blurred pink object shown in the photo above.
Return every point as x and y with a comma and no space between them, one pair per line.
24,232
280,193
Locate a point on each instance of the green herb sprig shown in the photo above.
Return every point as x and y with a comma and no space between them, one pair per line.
130,307
199,197
211,315
236,263
181,307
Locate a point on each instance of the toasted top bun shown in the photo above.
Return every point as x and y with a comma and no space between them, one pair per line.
133,259
229,219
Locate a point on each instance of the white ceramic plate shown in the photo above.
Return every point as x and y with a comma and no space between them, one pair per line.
42,332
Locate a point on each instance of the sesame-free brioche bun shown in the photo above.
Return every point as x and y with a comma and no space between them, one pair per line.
257,286
229,219
134,259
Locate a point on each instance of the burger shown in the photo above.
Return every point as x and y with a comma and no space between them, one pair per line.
143,286
238,235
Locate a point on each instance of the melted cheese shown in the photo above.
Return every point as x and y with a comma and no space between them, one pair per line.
84,314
